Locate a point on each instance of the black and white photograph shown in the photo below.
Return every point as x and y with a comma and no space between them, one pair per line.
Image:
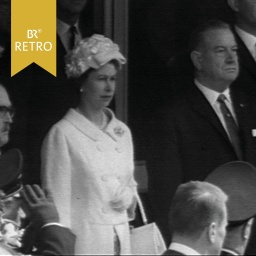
144,143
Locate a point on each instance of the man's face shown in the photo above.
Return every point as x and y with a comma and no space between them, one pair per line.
218,59
72,6
5,117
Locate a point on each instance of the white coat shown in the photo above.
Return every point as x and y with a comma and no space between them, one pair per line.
84,168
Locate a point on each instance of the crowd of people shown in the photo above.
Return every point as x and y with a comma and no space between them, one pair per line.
202,171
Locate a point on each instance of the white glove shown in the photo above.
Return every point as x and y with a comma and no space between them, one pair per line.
123,198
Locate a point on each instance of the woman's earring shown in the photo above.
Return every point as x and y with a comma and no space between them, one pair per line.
81,90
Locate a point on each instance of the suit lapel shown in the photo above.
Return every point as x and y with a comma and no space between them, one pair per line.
200,104
241,107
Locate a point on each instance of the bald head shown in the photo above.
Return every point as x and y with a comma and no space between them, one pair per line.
198,217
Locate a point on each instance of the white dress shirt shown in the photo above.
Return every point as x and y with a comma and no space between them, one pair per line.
183,249
248,39
212,97
64,33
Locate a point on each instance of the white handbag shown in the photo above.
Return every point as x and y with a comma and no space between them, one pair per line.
147,239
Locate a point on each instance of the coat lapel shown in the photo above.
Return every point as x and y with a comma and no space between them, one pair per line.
114,129
199,104
83,125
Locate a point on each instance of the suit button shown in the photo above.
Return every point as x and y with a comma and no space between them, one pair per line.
104,178
99,148
119,149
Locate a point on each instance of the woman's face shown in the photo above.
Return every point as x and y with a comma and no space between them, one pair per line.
99,87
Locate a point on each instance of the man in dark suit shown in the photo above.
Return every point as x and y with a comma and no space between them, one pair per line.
245,31
197,218
237,179
196,132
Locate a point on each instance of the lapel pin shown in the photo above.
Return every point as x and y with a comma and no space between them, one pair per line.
118,131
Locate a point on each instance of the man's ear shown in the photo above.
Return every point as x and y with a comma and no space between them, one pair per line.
212,232
247,229
233,5
196,59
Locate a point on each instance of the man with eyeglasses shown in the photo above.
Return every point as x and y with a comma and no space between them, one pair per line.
6,116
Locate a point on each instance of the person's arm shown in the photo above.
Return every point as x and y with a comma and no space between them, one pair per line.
56,172
56,240
52,239
125,199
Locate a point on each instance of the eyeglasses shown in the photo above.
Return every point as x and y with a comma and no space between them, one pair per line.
4,110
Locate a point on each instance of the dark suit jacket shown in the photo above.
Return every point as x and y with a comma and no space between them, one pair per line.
55,240
189,141
171,252
247,78
50,240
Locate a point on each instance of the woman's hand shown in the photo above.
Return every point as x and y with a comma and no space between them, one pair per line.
123,199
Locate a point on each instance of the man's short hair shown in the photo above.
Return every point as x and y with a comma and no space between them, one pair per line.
195,206
197,35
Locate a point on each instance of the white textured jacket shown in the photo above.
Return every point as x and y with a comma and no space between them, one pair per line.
84,168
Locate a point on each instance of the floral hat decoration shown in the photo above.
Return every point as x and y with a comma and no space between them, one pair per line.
92,52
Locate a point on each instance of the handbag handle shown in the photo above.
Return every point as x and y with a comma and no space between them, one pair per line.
141,208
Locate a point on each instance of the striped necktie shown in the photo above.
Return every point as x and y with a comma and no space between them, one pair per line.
72,37
231,126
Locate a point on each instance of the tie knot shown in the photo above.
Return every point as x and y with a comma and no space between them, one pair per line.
72,30
221,98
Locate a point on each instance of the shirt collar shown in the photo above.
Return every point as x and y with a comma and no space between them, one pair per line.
210,94
248,39
183,249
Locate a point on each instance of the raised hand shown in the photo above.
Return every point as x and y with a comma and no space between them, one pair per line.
39,205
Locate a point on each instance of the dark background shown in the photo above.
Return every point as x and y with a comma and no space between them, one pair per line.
158,42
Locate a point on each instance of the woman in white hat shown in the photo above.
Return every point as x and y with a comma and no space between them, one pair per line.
87,157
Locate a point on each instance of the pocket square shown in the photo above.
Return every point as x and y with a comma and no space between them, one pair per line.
253,132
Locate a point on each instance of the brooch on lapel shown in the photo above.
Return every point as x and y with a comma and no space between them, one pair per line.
118,131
